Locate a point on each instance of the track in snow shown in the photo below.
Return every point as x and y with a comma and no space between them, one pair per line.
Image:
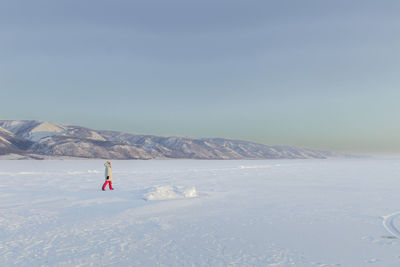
388,223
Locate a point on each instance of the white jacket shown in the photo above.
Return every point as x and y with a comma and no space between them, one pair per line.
108,172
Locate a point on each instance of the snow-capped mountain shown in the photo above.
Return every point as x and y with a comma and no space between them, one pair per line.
10,143
40,139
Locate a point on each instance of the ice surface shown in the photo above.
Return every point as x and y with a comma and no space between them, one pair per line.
201,213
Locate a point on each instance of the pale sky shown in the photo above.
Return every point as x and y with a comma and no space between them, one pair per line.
317,74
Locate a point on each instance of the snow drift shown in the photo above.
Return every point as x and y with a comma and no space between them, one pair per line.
169,192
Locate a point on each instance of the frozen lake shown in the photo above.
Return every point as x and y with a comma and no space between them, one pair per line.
201,213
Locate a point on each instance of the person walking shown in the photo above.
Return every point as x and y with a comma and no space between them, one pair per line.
108,176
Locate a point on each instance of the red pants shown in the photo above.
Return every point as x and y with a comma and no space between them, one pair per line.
109,185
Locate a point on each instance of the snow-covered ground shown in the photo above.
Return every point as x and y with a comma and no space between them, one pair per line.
201,213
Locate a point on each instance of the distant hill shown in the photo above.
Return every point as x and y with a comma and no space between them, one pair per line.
29,139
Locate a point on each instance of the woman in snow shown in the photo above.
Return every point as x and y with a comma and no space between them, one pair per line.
108,176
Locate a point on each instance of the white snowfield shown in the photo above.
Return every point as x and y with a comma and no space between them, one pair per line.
201,213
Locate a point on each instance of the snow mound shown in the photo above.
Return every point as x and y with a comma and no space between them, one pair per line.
258,166
170,192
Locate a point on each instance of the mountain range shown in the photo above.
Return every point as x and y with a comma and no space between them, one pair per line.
32,139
